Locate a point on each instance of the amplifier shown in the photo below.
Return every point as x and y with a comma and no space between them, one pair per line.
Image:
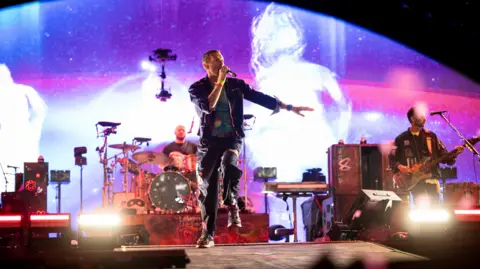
24,202
353,167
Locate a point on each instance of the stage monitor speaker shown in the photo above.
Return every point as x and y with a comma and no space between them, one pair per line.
372,208
353,167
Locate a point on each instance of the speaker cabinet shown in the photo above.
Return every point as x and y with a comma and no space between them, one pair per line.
35,180
353,167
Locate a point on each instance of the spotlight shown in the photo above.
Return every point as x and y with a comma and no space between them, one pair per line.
100,221
147,66
429,215
98,231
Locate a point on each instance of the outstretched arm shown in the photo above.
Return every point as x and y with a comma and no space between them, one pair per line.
270,102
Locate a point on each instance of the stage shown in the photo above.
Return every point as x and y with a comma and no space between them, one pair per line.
291,255
261,255
185,229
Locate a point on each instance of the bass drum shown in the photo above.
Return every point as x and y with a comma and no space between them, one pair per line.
170,191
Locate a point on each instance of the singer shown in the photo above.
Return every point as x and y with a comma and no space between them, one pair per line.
219,104
414,146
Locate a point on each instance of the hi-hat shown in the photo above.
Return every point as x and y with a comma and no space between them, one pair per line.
124,147
150,157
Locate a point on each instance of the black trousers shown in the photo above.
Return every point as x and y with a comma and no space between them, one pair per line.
423,189
215,159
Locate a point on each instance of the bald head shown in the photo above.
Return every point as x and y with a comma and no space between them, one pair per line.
180,133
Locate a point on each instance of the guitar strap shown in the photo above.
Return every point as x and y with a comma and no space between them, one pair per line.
429,144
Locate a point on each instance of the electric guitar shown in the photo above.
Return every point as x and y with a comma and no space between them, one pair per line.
421,171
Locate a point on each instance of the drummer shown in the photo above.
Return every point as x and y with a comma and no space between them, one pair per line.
180,150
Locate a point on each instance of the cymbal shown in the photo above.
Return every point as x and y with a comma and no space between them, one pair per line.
124,147
151,157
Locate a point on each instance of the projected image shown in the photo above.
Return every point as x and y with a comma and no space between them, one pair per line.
22,114
69,65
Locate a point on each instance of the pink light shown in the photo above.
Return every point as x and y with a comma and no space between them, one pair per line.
49,217
10,218
467,212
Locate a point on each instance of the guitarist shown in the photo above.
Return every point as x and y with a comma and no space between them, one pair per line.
415,145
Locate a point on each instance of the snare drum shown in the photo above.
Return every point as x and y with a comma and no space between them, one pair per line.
170,191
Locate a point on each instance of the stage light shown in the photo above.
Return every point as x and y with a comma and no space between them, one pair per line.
10,221
467,212
99,220
429,215
467,215
99,231
50,221
147,66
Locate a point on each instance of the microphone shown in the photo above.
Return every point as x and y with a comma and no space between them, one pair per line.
14,167
437,112
233,74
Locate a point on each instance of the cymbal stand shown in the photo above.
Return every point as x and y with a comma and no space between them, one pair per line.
107,186
138,141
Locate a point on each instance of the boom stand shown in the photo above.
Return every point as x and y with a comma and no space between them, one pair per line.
467,143
110,128
5,176
81,188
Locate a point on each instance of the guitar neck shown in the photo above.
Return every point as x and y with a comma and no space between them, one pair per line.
452,153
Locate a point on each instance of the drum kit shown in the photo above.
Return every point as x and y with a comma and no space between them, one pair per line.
170,191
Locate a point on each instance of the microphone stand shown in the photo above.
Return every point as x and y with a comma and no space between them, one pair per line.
245,178
467,143
5,176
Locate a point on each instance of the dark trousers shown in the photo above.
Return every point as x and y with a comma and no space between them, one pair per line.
425,189
213,160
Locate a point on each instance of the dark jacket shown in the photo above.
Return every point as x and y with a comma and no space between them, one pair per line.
236,90
404,150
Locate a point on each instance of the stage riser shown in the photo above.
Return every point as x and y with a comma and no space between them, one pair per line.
185,229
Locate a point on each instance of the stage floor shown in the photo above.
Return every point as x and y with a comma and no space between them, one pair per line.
284,255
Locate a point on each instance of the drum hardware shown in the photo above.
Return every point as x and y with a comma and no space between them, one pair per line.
109,128
170,191
126,148
150,157
80,161
141,140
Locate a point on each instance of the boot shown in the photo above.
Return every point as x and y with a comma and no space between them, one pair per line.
205,240
234,216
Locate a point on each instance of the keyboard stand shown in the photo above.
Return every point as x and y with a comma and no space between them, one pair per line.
294,197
